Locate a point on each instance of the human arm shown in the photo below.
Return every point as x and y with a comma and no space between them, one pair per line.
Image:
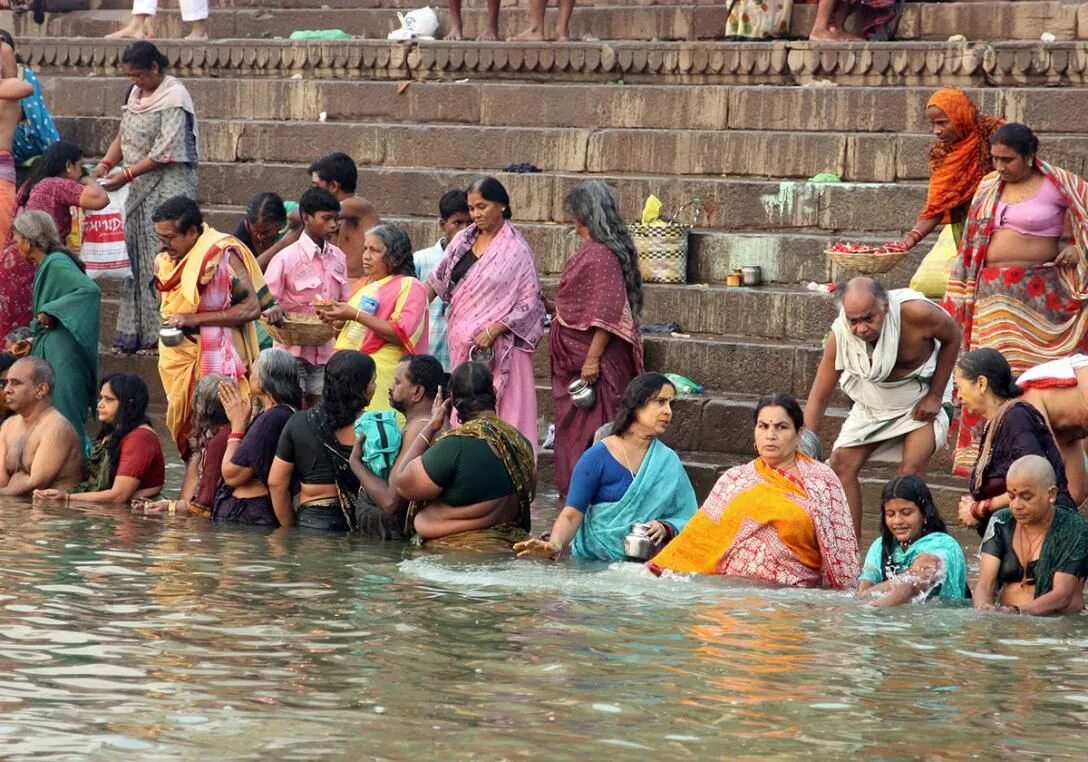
13,89
923,574
5,475
938,325
986,587
92,196
341,312
245,311
412,481
110,160
564,528
9,64
380,490
1059,599
823,386
1069,254
279,489
591,366
123,489
922,228
238,410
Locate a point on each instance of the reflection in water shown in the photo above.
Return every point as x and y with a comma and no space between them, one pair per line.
155,636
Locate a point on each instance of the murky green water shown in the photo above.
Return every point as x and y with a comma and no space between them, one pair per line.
142,637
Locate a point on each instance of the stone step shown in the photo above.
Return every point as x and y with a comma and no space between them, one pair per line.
898,110
785,257
727,203
999,64
1023,20
856,157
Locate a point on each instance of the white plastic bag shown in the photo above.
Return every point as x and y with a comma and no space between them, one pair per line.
104,251
420,24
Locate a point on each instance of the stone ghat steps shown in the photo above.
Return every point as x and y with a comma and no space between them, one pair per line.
855,157
599,106
704,469
785,257
993,20
997,64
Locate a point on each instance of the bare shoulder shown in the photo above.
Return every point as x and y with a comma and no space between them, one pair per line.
12,427
56,425
922,312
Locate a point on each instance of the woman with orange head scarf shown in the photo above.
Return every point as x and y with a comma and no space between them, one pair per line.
957,161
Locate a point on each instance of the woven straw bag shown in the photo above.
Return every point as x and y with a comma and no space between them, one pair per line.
663,249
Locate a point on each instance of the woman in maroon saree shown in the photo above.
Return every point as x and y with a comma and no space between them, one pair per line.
594,333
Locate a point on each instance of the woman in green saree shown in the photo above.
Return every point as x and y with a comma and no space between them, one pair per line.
66,306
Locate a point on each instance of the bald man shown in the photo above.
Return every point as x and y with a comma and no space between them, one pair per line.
39,448
892,352
1034,557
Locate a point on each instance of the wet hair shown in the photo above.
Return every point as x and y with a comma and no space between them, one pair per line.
426,371
593,205
183,211
53,163
787,403
267,207
143,55
1018,137
41,372
41,233
347,376
452,202
316,200
337,168
915,490
492,190
872,285
472,390
640,391
993,365
208,411
398,249
132,401
278,374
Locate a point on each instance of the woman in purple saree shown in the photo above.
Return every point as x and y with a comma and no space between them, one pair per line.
488,279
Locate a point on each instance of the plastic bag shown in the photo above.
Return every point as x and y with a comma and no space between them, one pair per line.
931,278
104,251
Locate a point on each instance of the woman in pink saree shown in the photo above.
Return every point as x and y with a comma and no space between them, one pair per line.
488,279
595,335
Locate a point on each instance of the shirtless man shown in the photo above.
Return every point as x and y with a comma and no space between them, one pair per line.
892,352
39,449
12,91
337,174
1059,390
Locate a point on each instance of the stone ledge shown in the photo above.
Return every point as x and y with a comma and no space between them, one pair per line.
898,63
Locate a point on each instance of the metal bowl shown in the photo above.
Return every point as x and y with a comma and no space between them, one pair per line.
583,395
171,336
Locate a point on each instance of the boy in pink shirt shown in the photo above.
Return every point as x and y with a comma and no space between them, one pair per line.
308,271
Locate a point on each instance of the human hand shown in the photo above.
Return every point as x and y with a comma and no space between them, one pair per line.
333,312
591,370
274,315
537,548
151,507
237,407
927,408
99,171
50,496
657,532
47,321
440,411
1067,257
357,449
182,320
113,182
485,338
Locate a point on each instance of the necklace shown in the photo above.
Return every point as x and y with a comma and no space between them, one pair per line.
1028,556
627,460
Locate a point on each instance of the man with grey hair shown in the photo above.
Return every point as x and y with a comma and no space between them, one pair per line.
39,448
892,353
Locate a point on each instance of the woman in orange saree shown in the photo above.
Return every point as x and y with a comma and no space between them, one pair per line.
782,518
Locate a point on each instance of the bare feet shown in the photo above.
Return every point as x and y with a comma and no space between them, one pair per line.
455,34
491,35
833,34
129,32
197,36
532,34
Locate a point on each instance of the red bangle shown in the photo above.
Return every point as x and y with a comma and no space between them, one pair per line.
127,174
235,437
107,164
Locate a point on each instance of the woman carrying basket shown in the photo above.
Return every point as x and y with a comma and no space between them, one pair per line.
595,333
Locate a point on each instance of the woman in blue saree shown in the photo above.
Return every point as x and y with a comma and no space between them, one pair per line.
914,555
628,477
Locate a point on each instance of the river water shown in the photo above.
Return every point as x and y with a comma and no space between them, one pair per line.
137,637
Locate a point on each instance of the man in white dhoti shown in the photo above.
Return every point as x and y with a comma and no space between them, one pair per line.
1059,390
892,352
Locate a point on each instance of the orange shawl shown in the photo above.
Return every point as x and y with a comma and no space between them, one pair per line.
956,170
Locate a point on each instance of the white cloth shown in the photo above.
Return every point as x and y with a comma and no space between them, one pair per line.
191,10
883,410
1064,369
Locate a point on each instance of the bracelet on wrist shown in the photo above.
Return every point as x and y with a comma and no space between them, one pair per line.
107,164
127,174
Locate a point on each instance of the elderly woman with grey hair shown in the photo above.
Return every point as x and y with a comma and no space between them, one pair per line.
66,306
243,497
595,333
387,318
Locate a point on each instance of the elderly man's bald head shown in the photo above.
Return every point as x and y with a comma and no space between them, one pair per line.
864,305
1034,470
862,291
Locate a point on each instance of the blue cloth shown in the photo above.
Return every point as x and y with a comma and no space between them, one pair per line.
954,586
598,478
661,491
36,132
437,344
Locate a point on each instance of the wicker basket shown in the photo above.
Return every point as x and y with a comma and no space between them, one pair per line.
874,262
663,249
300,329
